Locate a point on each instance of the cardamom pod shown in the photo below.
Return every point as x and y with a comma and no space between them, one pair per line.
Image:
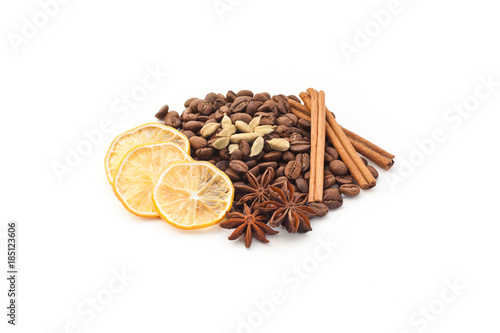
279,144
232,147
264,129
255,122
228,131
257,146
221,143
249,137
209,129
243,127
226,121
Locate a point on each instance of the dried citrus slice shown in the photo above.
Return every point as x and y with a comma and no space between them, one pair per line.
139,172
145,134
193,195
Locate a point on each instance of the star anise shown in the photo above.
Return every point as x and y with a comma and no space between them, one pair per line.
288,209
257,192
251,224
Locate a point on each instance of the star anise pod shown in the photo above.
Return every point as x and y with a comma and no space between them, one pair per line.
288,209
251,224
257,192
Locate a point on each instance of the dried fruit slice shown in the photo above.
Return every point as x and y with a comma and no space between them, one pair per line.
145,134
193,195
139,172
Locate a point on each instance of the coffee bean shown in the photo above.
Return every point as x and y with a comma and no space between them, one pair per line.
197,142
292,170
194,105
272,156
364,160
265,165
285,121
260,97
248,93
186,103
224,154
350,190
304,124
237,155
338,168
162,113
328,181
300,148
302,185
307,175
194,126
231,96
238,166
188,134
241,107
327,172
373,171
282,107
241,116
211,97
222,165
304,160
251,163
219,103
252,107
255,170
332,198
342,180
320,209
288,156
205,153
233,175
245,149
281,171
331,154
296,137
205,107
280,180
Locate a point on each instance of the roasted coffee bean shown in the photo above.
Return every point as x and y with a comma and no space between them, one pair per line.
162,113
281,131
219,115
238,166
219,103
296,137
328,181
233,175
224,154
332,198
260,97
205,107
222,165
295,98
239,100
281,171
198,142
194,126
205,153
239,187
248,93
304,124
236,155
245,149
300,148
292,169
231,96
251,163
304,160
255,170
298,131
331,154
364,160
188,134
373,171
282,107
211,97
280,180
265,165
350,190
194,104
307,175
267,118
186,103
252,107
320,209
193,117
302,185
288,156
327,172
342,180
338,168
241,116
285,121
272,156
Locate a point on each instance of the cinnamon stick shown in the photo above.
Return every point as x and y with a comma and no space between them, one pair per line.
314,146
320,152
330,134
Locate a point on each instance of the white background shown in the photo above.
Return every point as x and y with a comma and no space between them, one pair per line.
398,243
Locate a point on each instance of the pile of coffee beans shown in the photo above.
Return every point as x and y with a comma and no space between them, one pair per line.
291,164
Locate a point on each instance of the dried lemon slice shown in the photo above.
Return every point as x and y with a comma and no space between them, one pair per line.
139,172
193,195
145,134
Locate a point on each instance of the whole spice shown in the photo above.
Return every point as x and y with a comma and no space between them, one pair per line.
248,223
258,191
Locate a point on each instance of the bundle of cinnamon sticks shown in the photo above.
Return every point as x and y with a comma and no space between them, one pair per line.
348,144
